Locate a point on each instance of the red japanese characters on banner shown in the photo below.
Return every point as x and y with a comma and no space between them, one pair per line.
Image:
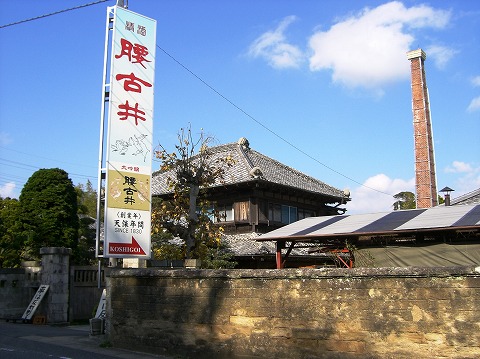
135,52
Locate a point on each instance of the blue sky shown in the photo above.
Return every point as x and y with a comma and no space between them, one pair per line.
321,86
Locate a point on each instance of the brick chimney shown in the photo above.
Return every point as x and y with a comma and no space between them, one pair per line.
425,178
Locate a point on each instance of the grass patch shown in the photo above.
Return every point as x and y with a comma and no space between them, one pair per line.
105,344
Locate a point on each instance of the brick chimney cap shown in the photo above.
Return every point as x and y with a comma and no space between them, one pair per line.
416,53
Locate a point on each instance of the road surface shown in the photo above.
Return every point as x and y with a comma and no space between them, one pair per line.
28,341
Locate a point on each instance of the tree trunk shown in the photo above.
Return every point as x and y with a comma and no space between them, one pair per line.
192,220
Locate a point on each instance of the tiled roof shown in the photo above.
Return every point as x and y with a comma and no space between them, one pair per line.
468,198
246,245
250,165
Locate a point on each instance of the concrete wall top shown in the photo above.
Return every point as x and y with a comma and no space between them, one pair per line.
291,273
55,250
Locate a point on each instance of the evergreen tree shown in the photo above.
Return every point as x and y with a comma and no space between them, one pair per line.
405,200
87,199
11,240
87,213
49,211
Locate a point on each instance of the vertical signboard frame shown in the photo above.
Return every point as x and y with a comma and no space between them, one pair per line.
128,149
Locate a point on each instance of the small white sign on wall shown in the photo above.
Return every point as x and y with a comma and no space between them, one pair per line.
37,298
102,305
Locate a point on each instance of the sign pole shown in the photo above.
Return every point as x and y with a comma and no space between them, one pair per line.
104,106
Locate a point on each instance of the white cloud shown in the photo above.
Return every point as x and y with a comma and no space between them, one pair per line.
476,81
474,105
374,196
376,193
466,177
5,138
369,50
273,47
459,167
7,189
440,55
468,182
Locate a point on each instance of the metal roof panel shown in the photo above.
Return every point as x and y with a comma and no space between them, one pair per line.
391,221
349,223
436,217
296,227
449,217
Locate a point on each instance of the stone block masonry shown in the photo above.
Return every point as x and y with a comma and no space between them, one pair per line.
55,273
297,313
73,293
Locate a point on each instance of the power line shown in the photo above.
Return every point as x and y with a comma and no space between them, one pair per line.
215,91
47,158
53,13
25,166
12,178
264,126
19,164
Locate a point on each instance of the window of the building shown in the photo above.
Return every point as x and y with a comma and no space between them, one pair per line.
225,213
305,213
209,212
289,214
282,213
274,212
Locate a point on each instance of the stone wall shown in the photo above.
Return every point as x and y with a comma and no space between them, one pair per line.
55,273
297,313
74,292
17,287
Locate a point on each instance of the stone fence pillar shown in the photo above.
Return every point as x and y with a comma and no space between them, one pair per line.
55,273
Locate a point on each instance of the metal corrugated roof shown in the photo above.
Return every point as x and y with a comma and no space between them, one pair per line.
406,221
437,217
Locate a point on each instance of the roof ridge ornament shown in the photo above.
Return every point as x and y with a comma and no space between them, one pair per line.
244,147
243,142
256,172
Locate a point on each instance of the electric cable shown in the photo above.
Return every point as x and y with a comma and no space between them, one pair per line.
53,13
217,93
264,126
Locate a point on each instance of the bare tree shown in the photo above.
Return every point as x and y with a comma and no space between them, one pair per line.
192,169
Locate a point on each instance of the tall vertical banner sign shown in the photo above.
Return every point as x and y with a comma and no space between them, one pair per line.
129,137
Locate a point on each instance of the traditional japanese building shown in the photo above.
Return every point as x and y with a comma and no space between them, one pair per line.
258,195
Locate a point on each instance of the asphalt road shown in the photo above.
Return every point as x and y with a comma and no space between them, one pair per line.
28,341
